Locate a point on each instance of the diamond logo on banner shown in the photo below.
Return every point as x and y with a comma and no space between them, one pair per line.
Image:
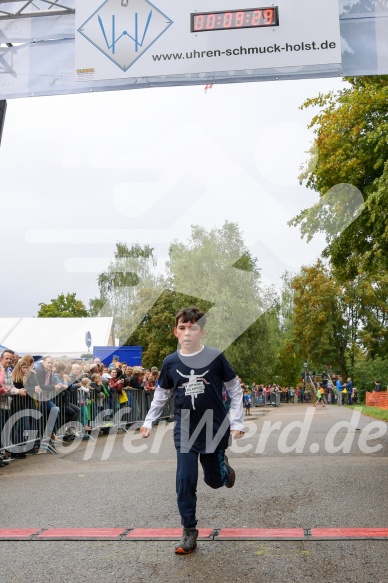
124,29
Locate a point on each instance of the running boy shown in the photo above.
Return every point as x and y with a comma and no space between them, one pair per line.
196,373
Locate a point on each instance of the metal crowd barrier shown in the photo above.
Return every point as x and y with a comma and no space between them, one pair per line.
267,399
27,423
272,398
22,423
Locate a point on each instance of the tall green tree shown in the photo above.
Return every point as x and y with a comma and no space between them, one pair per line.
216,267
326,320
214,271
132,271
64,306
339,322
351,147
372,296
289,356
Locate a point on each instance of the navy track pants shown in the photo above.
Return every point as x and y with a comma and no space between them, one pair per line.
214,475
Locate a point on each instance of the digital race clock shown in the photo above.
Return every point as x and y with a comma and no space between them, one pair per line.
232,19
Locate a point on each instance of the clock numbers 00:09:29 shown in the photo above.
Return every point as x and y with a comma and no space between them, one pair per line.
235,19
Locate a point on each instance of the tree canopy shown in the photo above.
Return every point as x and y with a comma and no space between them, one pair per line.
351,147
64,306
215,266
123,284
289,356
322,325
214,270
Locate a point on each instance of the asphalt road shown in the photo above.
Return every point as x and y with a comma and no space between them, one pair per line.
113,483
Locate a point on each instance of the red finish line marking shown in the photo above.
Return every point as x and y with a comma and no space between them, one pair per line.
260,533
165,533
335,533
17,533
79,533
205,534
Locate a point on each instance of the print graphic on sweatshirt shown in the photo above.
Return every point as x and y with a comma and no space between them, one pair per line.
195,385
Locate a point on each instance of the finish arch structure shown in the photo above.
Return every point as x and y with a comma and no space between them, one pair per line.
56,47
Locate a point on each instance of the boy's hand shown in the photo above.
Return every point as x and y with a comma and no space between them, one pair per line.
236,434
144,431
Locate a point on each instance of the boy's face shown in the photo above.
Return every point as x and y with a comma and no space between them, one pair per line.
189,335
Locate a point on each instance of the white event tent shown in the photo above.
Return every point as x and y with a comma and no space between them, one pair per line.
55,336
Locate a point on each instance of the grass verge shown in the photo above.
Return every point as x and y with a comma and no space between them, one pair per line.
372,411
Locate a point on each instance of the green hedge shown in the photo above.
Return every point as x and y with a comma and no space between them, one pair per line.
367,371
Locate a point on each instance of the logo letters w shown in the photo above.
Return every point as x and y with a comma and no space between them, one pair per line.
138,35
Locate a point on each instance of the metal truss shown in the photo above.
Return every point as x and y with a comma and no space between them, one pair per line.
13,9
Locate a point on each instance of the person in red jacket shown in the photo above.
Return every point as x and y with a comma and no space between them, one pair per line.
116,388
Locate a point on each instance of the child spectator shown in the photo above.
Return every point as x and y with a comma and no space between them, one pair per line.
83,395
96,395
247,401
320,393
149,388
116,386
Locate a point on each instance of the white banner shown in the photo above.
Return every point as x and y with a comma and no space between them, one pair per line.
123,39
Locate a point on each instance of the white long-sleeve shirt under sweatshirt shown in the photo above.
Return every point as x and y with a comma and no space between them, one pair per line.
236,411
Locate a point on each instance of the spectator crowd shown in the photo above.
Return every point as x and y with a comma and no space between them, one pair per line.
39,398
329,390
75,397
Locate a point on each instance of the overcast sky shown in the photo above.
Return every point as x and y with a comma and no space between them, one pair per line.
80,172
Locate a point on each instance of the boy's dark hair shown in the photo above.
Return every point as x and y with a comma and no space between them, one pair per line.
191,314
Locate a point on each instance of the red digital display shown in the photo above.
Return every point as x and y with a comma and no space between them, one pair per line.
232,19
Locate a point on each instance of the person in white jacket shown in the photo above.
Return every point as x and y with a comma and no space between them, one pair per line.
197,375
